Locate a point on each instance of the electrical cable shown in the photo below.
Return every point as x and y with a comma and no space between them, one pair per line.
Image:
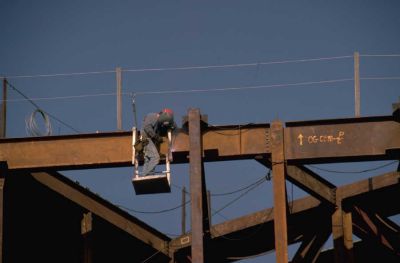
253,64
206,90
153,212
352,172
31,123
240,189
237,198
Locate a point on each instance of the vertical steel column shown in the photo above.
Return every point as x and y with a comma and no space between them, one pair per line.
3,175
183,210
342,233
86,231
197,188
278,171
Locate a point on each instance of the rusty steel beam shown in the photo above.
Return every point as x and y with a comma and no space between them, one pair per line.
373,227
199,211
347,139
118,218
312,183
342,236
322,141
279,189
3,175
86,231
376,185
312,244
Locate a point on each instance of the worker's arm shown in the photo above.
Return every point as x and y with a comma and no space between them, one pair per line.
149,125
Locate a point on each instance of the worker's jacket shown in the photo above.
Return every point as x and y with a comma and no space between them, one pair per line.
150,126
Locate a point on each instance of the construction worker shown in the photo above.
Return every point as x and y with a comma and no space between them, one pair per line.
154,126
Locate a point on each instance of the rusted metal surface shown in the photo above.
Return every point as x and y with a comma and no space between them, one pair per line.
301,220
312,183
378,229
3,172
342,233
363,139
279,189
120,219
86,229
332,141
312,244
197,185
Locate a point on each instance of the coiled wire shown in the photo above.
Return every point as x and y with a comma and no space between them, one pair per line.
32,127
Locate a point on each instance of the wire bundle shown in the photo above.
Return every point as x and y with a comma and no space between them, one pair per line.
32,127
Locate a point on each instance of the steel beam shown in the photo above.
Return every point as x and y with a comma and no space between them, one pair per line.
279,189
377,185
86,231
312,244
322,141
120,219
342,233
198,196
3,175
336,140
373,227
312,183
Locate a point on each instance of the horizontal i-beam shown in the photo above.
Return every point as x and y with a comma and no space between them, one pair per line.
319,141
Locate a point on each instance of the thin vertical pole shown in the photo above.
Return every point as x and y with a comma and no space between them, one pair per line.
118,72
4,111
278,170
196,187
357,84
183,210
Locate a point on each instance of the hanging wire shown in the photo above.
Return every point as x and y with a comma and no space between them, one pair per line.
353,172
31,125
153,212
237,65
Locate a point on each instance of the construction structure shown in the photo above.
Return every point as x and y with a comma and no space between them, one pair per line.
47,217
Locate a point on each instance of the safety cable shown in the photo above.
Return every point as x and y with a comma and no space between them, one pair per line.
353,172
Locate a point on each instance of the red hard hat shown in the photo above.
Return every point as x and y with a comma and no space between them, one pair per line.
168,111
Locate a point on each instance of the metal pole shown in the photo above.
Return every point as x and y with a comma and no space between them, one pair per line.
357,84
196,186
278,170
342,233
118,72
183,210
4,111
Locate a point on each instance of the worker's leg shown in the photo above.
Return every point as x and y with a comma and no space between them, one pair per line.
151,158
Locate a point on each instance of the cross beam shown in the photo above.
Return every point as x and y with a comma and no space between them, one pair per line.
317,141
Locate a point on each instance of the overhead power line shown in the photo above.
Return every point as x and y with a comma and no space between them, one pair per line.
237,65
204,90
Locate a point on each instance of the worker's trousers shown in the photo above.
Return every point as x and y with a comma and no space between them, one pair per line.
151,158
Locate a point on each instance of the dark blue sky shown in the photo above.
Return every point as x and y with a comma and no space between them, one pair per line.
51,37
